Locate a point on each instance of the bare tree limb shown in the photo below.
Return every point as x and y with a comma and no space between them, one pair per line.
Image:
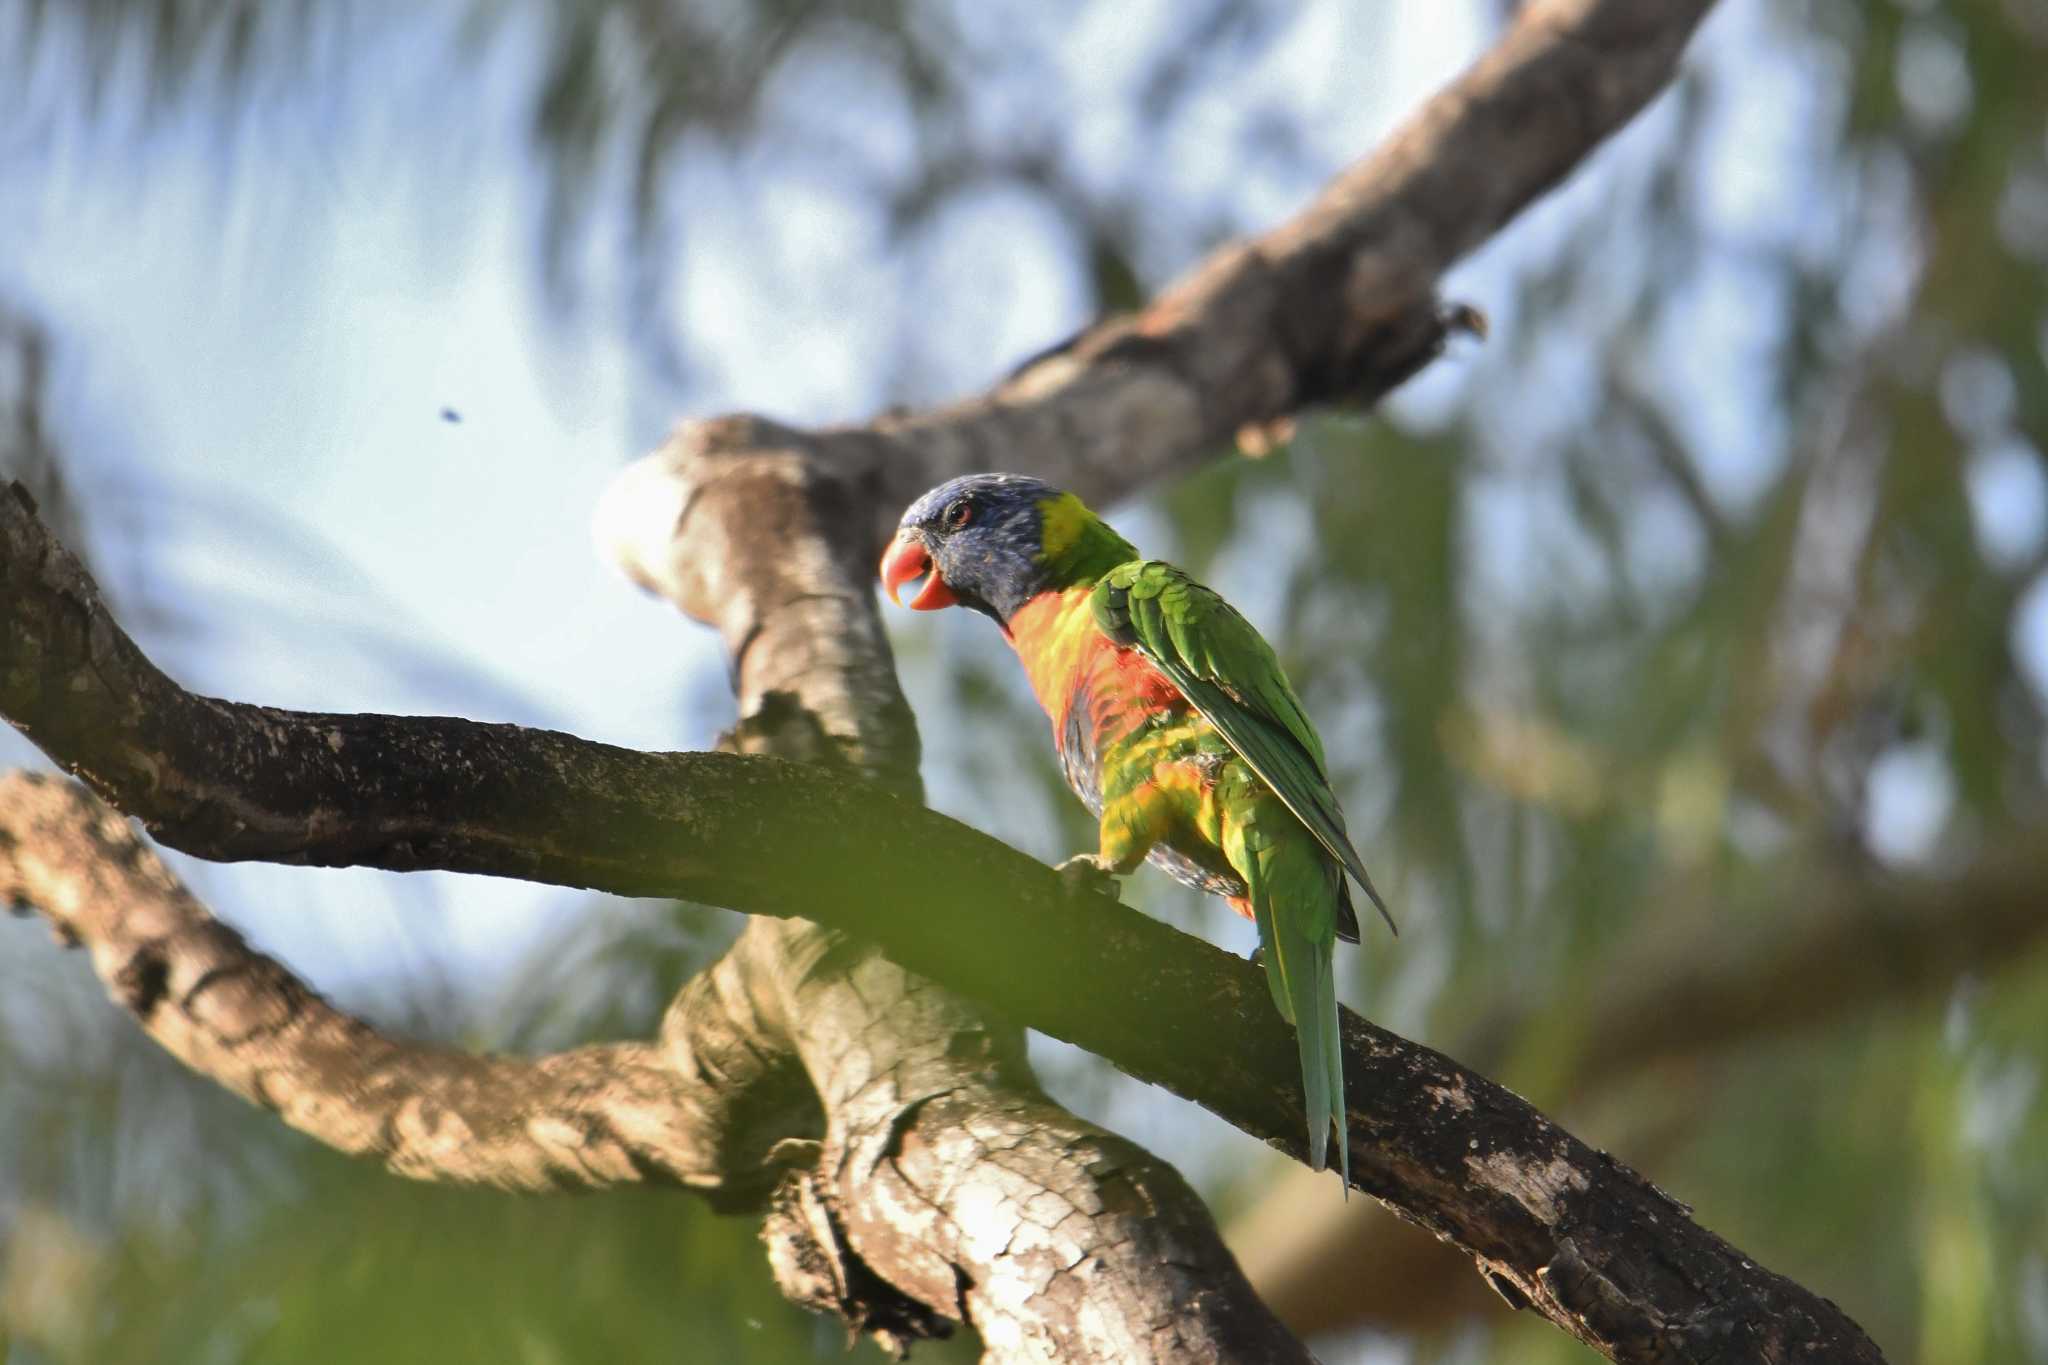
589,1117
1677,1003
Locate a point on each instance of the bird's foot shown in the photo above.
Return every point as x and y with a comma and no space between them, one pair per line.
1085,875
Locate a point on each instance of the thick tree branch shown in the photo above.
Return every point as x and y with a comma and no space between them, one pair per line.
948,1187
589,1117
813,674
1673,1002
1338,304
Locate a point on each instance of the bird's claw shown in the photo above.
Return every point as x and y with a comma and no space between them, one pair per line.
1084,875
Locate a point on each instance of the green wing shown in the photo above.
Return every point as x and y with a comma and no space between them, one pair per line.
1228,672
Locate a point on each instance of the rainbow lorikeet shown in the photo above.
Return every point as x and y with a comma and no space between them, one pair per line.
1173,722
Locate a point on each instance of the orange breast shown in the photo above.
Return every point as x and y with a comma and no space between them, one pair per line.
1070,662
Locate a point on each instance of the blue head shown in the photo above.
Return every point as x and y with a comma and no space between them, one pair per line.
995,541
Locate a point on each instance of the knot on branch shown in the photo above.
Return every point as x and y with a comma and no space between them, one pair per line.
1388,343
816,1268
783,727
142,981
1595,1300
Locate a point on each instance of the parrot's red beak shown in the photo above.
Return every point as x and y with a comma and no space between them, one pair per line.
906,559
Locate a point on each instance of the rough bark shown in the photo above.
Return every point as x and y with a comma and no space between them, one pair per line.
589,1117
946,1182
1678,1007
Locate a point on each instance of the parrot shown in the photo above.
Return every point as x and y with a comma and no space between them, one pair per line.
1173,723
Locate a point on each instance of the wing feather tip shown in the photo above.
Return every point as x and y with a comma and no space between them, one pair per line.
1381,906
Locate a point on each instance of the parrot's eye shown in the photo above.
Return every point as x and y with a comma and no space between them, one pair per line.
957,514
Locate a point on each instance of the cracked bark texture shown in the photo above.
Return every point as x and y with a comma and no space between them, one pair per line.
1336,305
1678,1006
948,1184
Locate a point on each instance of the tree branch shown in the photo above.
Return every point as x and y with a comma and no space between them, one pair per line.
1337,305
589,1117
946,1181
1674,1003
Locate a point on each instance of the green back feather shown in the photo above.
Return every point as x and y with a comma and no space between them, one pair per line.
1228,672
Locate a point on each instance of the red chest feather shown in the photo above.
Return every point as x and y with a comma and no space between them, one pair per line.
1072,663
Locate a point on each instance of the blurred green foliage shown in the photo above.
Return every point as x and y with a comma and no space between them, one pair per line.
1725,563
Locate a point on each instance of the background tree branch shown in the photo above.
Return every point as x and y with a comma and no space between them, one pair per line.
594,1116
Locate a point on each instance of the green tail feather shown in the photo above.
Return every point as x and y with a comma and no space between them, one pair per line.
1301,972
